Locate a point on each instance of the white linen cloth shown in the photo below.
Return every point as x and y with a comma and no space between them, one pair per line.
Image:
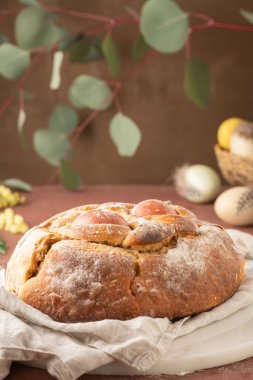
70,350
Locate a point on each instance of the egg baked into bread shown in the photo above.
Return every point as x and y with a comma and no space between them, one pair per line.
120,261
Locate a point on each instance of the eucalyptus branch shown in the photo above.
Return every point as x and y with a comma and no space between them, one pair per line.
211,23
154,39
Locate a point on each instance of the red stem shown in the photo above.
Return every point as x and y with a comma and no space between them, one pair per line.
84,15
222,25
27,73
211,24
200,16
188,45
194,28
78,131
21,98
6,104
117,103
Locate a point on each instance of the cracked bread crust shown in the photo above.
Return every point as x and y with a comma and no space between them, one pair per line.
120,261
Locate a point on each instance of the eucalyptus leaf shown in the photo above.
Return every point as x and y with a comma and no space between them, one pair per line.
63,119
247,15
86,49
140,48
34,28
17,184
125,134
3,38
164,25
13,61
87,91
111,54
69,41
79,50
3,247
69,177
95,52
197,82
51,145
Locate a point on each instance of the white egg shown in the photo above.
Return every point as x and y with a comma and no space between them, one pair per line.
242,140
241,146
235,206
197,183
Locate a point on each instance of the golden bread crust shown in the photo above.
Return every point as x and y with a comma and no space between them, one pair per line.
120,261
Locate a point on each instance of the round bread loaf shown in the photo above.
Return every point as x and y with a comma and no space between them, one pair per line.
120,261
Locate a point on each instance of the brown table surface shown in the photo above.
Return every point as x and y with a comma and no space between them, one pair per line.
45,201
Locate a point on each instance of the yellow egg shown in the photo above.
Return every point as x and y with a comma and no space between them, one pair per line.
225,131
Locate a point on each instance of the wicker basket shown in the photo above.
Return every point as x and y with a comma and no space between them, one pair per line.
236,170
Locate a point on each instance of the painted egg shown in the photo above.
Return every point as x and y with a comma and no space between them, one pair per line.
197,183
235,206
242,140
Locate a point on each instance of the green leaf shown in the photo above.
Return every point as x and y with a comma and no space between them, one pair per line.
17,184
34,3
34,28
95,52
13,61
86,49
125,134
68,42
247,15
87,91
79,50
3,38
3,247
51,145
69,177
140,48
197,82
63,119
111,54
164,25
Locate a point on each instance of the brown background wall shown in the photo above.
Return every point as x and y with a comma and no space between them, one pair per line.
174,130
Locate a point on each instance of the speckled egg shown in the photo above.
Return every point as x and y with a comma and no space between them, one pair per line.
235,206
197,183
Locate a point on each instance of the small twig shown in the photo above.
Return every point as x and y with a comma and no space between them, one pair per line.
200,16
222,25
188,44
117,103
6,104
83,15
27,73
21,98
